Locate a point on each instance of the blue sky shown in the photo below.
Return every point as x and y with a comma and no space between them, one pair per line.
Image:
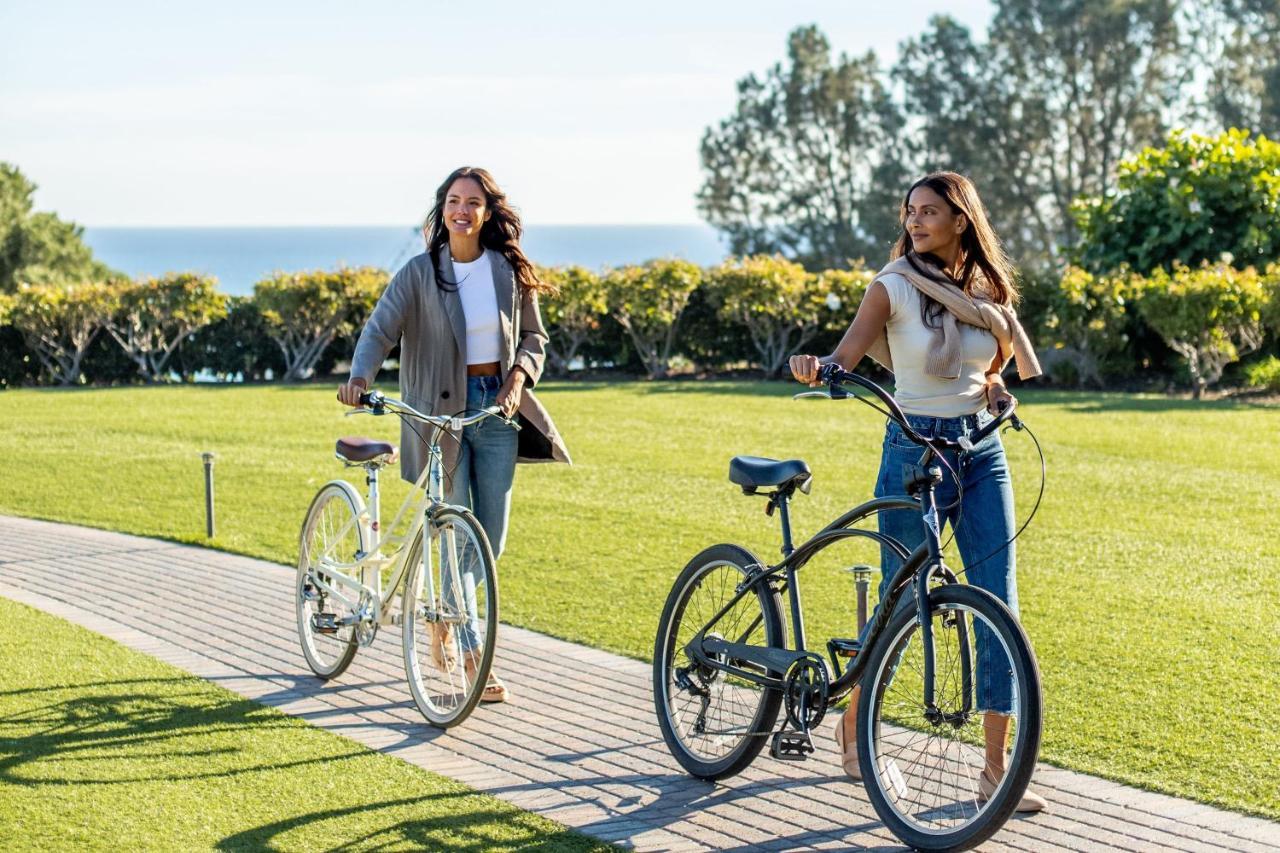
325,113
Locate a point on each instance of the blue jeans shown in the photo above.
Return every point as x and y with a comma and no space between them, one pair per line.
982,525
482,482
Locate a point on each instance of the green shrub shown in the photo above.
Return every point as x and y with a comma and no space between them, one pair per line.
1211,315
1264,374
1199,198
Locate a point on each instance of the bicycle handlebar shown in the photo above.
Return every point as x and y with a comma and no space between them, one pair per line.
835,376
377,403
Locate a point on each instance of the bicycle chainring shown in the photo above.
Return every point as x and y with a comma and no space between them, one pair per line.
806,689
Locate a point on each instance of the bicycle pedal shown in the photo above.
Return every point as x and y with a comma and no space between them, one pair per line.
324,623
791,746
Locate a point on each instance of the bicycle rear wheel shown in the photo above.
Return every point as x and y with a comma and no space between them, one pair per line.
923,770
333,539
714,724
449,640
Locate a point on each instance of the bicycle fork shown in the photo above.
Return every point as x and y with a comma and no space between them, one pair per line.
922,479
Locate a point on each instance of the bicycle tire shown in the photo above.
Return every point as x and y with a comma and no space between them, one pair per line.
447,689
956,818
755,723
332,529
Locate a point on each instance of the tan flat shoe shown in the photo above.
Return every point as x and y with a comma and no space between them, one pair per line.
848,754
1030,803
494,690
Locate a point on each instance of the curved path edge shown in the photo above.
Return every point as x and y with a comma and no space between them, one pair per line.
578,742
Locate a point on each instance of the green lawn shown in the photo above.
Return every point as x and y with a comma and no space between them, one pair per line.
1150,581
104,748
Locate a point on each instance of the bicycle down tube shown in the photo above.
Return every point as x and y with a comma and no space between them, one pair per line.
717,653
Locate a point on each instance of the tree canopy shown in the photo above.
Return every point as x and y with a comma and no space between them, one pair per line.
38,247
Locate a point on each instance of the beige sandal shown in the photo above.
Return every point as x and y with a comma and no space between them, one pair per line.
494,690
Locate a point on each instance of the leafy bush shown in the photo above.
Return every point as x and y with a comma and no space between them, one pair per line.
58,324
576,313
306,311
1197,199
1264,374
1083,326
647,301
152,317
1210,315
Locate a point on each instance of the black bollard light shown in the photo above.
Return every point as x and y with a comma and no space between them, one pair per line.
208,493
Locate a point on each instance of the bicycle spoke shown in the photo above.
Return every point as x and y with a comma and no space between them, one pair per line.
928,772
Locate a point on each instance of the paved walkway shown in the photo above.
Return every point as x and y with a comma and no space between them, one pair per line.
586,753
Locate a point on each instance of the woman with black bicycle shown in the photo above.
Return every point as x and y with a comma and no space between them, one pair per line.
940,317
465,315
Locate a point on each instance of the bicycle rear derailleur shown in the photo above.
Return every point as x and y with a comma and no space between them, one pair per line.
806,688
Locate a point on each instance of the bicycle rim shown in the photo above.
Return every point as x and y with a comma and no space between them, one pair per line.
927,782
331,536
449,639
715,718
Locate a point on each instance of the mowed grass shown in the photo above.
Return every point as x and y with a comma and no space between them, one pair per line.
1149,581
104,748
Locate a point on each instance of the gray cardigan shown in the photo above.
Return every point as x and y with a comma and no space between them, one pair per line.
431,329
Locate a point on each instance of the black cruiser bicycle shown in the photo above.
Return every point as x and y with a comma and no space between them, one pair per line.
723,669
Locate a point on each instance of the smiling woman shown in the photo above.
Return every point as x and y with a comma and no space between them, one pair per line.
465,315
940,317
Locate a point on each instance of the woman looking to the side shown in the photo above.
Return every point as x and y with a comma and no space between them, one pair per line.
465,314
940,317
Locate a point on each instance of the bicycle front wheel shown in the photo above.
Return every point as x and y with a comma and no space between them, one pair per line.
450,617
332,542
926,770
714,723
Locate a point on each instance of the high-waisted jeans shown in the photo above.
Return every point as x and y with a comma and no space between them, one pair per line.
482,482
982,525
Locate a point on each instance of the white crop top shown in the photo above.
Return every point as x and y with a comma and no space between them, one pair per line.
909,339
480,307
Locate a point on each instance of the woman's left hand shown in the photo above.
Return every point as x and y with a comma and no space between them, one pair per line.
510,393
998,397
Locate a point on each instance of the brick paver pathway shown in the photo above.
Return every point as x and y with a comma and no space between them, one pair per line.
578,743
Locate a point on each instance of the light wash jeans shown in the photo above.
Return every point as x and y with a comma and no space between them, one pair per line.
982,525
482,482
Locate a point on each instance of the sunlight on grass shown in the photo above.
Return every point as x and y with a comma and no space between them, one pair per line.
105,748
1149,582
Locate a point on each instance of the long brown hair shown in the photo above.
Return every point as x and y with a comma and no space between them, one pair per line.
500,232
985,270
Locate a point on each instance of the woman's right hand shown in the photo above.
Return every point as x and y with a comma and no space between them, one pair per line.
805,369
349,394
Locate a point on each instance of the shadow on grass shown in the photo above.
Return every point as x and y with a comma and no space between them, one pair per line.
461,828
109,724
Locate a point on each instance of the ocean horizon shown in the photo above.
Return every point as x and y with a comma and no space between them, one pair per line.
239,256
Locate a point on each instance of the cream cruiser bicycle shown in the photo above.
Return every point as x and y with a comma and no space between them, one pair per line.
443,597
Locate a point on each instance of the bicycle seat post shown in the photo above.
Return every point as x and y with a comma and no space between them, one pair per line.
779,499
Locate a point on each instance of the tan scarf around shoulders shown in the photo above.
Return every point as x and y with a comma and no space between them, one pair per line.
944,357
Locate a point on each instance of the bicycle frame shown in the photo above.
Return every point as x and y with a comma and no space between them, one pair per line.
920,566
425,499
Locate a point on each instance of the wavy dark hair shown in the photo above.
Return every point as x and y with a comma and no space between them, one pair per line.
984,269
500,232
